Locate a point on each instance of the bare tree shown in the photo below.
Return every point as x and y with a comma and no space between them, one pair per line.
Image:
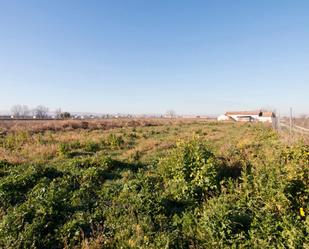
171,114
20,110
16,110
25,111
41,111
58,113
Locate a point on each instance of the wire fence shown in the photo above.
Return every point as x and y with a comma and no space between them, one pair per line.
294,128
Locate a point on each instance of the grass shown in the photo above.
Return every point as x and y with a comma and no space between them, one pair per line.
152,184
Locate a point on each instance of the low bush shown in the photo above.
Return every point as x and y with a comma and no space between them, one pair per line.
114,141
92,146
190,171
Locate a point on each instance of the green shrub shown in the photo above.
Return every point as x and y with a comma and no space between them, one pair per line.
104,162
92,146
34,223
14,187
114,141
48,203
13,141
64,149
5,167
76,229
190,171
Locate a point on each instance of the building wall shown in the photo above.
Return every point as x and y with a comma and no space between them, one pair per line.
223,118
248,118
265,119
238,117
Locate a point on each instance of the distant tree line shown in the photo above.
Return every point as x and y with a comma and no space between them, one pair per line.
39,112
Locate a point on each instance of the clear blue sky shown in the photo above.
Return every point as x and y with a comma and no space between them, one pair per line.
130,56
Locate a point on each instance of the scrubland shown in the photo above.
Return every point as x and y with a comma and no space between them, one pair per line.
152,184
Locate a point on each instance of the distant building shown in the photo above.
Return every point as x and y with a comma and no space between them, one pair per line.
194,116
223,117
249,116
4,117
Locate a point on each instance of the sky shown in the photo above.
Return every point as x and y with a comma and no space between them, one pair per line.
150,56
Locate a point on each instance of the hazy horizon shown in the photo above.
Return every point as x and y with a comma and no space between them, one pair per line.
140,57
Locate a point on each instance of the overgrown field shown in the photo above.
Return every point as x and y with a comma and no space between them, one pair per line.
157,184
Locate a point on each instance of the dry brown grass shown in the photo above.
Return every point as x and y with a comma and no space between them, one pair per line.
302,121
40,153
36,126
40,142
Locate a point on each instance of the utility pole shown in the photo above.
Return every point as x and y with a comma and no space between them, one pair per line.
291,111
278,122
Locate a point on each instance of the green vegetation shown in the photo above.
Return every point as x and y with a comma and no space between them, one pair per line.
179,185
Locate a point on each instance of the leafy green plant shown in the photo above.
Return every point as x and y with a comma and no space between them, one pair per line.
190,171
64,149
114,141
15,140
91,146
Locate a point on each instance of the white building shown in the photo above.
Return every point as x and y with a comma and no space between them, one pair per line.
223,118
249,116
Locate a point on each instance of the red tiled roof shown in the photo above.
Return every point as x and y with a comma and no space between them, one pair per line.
267,114
249,113
243,113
